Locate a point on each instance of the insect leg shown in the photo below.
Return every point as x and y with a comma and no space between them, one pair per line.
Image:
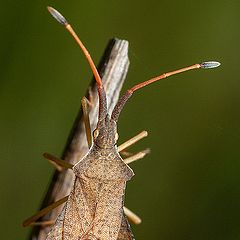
132,216
59,163
44,211
126,153
132,141
137,156
86,121
43,223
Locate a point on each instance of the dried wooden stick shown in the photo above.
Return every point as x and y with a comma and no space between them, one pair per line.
113,69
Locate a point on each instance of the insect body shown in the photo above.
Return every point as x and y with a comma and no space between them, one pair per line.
94,209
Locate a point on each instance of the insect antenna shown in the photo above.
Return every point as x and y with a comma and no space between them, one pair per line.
119,106
101,92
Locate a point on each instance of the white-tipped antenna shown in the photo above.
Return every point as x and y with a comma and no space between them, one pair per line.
102,96
119,106
210,64
57,15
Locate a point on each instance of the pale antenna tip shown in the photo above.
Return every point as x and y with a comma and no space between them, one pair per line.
57,15
210,64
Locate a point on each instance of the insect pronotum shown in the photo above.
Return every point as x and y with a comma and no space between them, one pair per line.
94,208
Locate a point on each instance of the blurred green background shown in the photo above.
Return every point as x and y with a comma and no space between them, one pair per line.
188,187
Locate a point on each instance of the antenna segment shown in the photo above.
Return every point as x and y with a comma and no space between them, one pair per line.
101,92
119,106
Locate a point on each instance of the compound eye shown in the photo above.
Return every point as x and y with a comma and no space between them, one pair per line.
95,133
116,136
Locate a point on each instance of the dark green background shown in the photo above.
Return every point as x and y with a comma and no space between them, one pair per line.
188,188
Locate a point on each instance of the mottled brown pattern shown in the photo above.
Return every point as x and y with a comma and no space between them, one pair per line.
94,209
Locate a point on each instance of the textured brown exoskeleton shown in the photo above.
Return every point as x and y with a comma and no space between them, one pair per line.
94,208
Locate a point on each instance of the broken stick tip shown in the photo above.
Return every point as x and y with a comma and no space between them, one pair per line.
57,15
210,64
